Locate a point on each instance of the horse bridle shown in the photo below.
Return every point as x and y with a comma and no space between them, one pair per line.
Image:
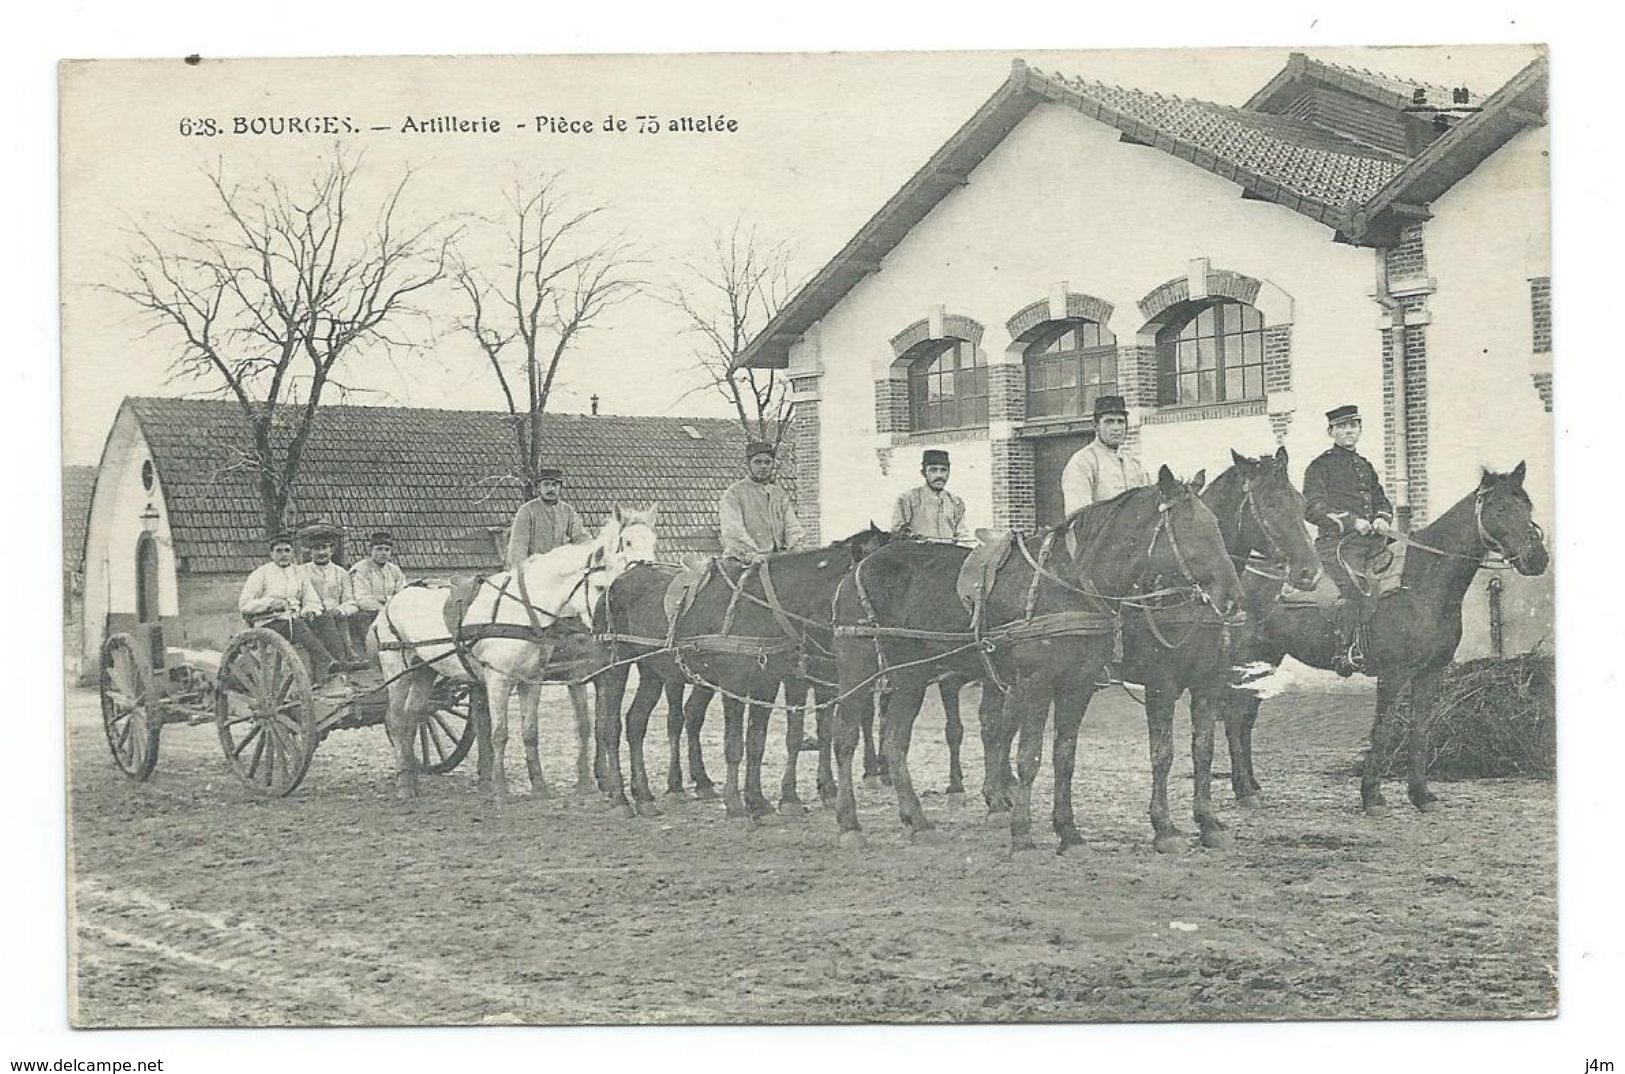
1493,545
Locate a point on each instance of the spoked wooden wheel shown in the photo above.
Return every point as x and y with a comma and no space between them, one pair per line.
444,738
127,717
265,712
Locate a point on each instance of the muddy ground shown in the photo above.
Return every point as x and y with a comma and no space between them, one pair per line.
199,905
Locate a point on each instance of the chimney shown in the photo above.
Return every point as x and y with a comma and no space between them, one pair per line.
595,404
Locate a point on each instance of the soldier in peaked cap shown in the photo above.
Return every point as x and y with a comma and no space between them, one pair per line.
278,595
930,510
334,593
1101,469
756,515
1344,500
374,580
546,522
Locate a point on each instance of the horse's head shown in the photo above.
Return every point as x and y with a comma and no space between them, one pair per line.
1506,522
1187,544
627,538
864,541
1269,517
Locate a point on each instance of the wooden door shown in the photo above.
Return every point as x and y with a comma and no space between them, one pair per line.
1050,456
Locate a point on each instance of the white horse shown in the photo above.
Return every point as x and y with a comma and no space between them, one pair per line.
566,582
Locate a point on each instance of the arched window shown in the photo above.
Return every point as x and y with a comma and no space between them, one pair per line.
1211,352
947,386
1069,372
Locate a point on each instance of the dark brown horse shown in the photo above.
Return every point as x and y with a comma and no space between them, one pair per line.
749,631
1169,651
1413,634
1044,630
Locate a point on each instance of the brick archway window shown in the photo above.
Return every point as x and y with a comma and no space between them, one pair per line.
947,386
1210,351
1068,371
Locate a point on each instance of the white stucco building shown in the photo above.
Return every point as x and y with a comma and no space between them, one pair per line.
1344,237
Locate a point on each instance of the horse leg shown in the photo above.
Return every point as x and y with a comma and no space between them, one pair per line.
480,709
530,703
1070,705
873,766
850,713
795,726
401,721
1240,711
997,779
1424,695
699,699
761,710
902,709
824,719
1159,722
954,733
586,741
733,750
610,692
637,725
1247,724
1204,709
674,737
499,688
1030,713
1371,798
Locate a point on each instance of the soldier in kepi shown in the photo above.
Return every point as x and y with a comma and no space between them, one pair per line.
373,580
1101,469
930,511
1345,502
757,516
278,596
335,597
542,525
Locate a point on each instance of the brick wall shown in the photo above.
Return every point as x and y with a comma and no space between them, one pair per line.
1416,415
1277,358
1006,393
1540,308
1543,385
804,434
891,406
1408,259
1014,492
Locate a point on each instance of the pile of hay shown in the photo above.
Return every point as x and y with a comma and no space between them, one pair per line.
1495,717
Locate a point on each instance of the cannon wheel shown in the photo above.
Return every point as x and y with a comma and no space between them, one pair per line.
127,716
444,739
265,712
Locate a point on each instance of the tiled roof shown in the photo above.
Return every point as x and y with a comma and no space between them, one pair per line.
432,477
1388,89
77,484
1307,160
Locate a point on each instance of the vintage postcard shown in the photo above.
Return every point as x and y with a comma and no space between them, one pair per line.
748,538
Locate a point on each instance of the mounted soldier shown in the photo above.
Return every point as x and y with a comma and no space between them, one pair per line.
542,525
930,511
1101,469
757,517
1345,501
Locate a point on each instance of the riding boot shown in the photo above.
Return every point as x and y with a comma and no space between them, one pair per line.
1350,652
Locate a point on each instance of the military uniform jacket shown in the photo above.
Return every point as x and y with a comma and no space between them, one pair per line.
1340,486
936,516
541,527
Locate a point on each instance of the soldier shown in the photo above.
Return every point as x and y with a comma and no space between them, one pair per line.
1345,501
540,526
756,515
278,596
335,598
1100,469
545,522
930,510
373,580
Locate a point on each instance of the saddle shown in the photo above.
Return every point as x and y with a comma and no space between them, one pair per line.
1328,597
985,560
680,593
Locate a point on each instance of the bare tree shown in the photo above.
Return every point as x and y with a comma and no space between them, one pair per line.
554,276
268,298
726,300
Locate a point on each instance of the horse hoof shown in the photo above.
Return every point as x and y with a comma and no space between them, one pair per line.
1428,805
584,789
997,818
1070,844
1376,810
1251,801
1169,843
852,837
925,837
676,798
792,807
1022,846
706,793
1217,839
542,791
646,808
871,783
956,799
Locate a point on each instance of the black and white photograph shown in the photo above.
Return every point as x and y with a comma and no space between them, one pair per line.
810,539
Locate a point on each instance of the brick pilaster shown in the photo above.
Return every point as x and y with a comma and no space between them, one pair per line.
891,406
806,435
1014,496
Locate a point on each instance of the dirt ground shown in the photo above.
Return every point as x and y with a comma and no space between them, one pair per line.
199,905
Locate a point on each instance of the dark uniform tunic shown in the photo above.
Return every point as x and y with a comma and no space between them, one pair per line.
1339,487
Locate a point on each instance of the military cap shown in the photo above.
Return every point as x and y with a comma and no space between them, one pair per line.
757,447
1110,404
1338,415
281,538
550,473
379,537
933,457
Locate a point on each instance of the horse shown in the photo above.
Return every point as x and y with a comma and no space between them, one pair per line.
749,630
1413,633
1044,626
1260,514
632,627
509,645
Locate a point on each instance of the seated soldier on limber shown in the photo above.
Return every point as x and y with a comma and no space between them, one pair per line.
278,595
335,597
930,511
1344,500
373,580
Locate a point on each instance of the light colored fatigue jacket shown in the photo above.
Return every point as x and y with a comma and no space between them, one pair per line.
1096,473
541,527
267,584
331,583
937,516
757,519
374,585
